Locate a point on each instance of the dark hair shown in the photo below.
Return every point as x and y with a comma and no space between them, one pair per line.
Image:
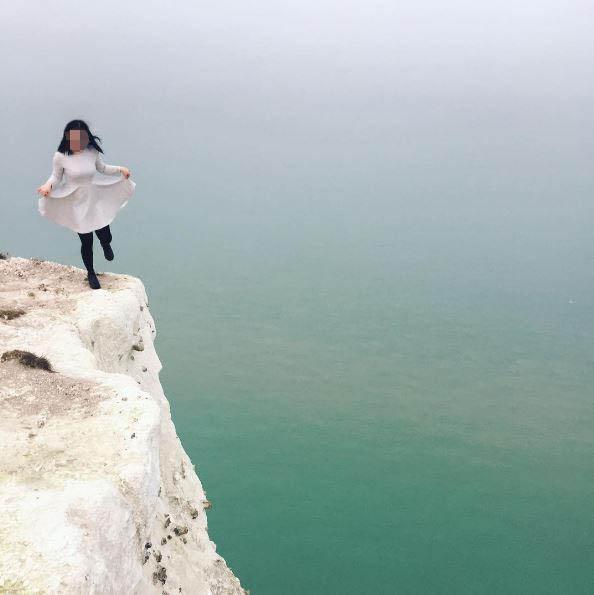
64,146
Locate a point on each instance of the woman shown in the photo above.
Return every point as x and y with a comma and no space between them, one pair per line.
89,198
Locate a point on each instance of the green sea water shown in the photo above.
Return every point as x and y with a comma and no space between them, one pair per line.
371,273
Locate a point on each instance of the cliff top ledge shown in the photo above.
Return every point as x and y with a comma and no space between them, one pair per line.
97,494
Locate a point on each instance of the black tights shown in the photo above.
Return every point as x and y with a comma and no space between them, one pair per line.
86,247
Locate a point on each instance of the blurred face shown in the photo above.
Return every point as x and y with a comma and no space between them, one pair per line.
79,139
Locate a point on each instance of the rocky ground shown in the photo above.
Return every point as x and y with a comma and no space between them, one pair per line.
97,494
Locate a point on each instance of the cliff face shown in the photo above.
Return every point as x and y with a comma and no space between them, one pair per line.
97,494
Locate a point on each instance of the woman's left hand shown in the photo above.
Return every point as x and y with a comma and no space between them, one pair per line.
125,171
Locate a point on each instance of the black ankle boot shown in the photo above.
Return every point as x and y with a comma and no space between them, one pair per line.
93,281
107,251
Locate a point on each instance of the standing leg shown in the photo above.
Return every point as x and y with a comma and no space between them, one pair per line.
104,235
86,249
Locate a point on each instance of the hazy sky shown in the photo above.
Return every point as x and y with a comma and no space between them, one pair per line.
390,92
290,59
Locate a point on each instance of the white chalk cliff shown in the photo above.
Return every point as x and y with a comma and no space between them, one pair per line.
97,494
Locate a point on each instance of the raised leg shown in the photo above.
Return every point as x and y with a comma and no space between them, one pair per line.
104,235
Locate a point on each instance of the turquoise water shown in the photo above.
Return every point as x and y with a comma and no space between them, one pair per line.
369,259
368,414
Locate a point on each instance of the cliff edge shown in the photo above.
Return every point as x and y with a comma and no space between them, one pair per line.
97,494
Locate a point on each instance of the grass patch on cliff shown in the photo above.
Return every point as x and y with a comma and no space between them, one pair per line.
10,313
26,358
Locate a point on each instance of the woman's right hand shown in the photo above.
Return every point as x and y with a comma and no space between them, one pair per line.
44,189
